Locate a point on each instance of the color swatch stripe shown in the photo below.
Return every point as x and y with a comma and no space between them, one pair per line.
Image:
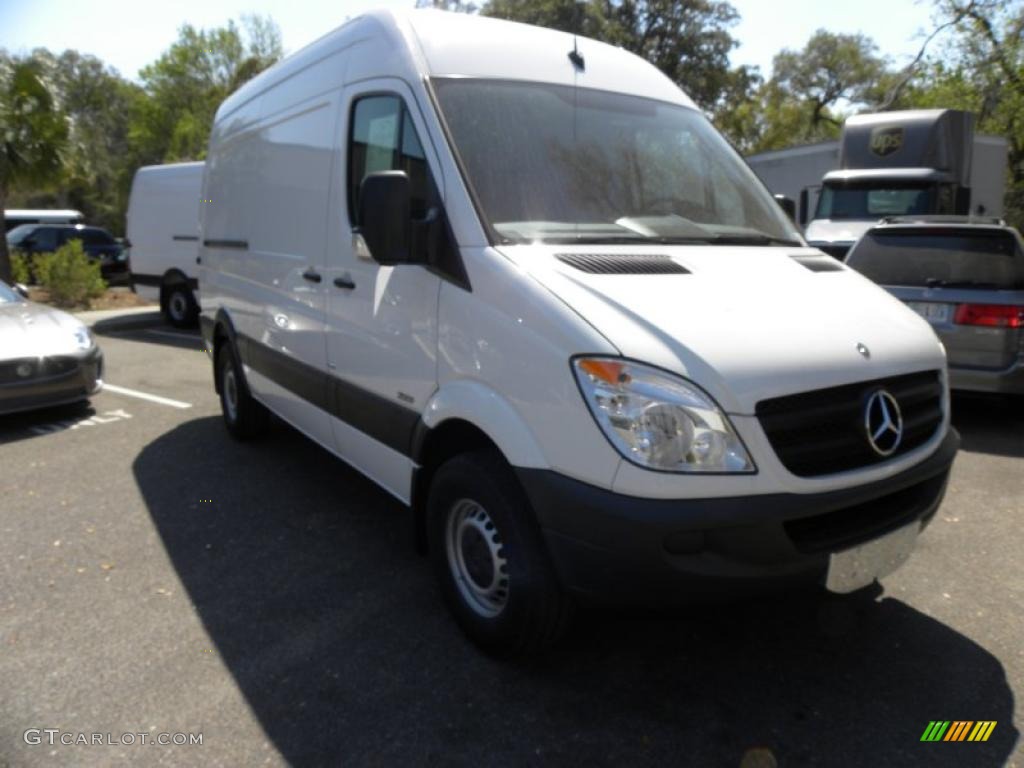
958,730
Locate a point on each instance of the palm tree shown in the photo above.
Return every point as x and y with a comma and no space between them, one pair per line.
33,135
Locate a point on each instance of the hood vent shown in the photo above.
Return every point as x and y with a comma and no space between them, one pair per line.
622,264
819,263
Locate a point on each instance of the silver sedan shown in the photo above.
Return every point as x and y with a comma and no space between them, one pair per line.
47,357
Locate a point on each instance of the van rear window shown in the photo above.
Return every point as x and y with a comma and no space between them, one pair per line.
982,258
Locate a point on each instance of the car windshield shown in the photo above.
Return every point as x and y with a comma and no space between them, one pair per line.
983,258
8,294
19,233
873,202
553,163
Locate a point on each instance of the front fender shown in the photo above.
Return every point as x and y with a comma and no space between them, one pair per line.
491,413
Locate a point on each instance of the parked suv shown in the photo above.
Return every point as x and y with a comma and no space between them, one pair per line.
96,242
965,276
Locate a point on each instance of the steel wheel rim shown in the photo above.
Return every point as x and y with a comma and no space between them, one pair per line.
476,558
230,394
178,305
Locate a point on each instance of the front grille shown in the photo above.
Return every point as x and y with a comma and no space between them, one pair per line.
822,431
29,368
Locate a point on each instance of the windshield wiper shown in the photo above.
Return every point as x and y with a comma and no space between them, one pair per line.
935,282
752,239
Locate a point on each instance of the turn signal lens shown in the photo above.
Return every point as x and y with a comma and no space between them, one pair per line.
990,315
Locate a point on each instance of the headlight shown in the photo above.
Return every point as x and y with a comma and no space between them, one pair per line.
83,338
658,420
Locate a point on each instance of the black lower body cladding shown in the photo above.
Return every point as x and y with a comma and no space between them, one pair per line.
608,547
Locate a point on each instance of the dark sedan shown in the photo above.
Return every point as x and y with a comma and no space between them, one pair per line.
47,357
96,242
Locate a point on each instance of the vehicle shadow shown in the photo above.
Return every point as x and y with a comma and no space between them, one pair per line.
155,333
43,421
989,423
305,577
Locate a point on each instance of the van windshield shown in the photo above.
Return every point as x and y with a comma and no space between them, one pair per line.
553,163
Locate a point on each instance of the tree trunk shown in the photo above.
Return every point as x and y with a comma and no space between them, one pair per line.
5,257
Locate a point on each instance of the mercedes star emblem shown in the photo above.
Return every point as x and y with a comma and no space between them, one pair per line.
864,351
883,422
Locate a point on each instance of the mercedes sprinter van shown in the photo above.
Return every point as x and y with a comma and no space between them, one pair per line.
518,280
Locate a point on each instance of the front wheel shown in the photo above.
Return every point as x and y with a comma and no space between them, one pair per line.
489,558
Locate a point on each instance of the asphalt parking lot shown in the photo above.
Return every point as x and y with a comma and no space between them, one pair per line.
157,577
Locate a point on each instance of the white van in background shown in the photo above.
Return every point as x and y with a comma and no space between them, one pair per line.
518,280
162,228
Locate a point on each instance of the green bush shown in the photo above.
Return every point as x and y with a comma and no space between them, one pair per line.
19,268
70,277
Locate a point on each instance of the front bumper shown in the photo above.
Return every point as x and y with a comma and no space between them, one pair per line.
610,547
1009,381
81,378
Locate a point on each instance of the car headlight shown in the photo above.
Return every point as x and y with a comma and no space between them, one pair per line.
658,420
83,338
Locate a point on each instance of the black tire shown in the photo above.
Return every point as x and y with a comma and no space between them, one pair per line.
533,612
179,306
244,417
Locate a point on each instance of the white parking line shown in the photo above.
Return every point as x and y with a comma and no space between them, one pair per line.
145,396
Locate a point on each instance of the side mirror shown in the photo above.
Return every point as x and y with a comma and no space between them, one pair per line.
20,289
385,221
787,204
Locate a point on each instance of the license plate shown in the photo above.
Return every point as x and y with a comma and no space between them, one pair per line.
931,311
855,568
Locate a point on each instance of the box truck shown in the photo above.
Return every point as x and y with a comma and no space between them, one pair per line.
888,164
163,231
541,300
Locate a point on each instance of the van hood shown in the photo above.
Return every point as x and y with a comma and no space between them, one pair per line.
744,323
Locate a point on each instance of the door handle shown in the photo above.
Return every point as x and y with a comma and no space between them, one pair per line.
312,275
344,282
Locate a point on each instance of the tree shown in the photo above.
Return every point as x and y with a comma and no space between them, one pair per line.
810,93
184,87
98,103
832,69
688,40
33,134
980,69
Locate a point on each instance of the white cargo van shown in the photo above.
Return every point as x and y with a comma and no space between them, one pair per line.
163,229
519,281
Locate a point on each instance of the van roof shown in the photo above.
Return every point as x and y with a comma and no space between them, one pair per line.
426,42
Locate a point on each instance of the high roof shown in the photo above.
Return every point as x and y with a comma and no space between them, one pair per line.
428,42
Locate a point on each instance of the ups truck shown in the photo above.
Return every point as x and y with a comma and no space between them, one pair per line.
914,162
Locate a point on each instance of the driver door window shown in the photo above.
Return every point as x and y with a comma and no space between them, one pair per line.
383,138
